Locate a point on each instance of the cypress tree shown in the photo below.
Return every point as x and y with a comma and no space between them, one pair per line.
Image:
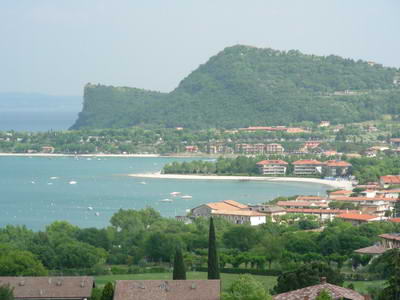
213,266
108,292
179,266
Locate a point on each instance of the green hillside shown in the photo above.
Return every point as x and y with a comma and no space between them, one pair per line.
243,86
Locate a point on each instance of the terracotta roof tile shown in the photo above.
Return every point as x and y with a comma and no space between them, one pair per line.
272,162
341,192
312,292
337,163
77,287
319,211
303,203
375,249
167,290
391,179
357,217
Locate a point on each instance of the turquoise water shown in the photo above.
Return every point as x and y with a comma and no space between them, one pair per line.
29,196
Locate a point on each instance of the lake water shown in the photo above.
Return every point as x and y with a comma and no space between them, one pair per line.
37,120
37,191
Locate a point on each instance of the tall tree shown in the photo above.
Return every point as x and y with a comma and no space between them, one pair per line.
179,266
392,291
108,292
6,292
213,266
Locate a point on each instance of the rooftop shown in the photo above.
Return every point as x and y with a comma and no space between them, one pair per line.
320,211
375,249
391,179
311,292
167,289
227,205
50,287
337,163
272,162
302,203
357,217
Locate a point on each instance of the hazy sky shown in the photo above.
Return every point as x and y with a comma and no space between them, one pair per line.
57,46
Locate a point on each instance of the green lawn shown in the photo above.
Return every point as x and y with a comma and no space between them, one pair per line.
361,286
227,279
268,281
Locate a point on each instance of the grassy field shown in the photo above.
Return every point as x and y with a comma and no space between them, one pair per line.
362,286
227,279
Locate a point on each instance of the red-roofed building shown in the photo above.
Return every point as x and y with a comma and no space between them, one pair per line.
323,214
311,144
272,167
274,148
337,168
167,289
191,149
357,219
312,292
303,204
250,148
230,210
307,167
49,288
386,181
395,142
340,193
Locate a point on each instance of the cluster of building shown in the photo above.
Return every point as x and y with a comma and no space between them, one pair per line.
306,167
80,288
375,203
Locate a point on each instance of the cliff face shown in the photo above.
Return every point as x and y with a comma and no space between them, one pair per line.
244,86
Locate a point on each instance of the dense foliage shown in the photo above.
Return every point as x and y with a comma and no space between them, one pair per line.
243,86
143,239
246,288
307,275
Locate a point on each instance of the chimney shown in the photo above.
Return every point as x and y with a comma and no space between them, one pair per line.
323,280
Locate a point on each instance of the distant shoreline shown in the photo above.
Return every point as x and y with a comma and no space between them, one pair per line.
341,184
77,155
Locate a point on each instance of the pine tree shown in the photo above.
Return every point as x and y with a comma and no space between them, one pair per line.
179,266
108,292
213,266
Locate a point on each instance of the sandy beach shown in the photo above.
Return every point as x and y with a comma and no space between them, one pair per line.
337,184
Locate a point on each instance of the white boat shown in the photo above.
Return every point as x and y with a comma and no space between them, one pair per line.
72,182
97,214
90,208
174,193
166,200
49,183
53,178
142,182
186,197
33,182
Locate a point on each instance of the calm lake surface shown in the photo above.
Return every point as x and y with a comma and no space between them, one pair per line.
37,191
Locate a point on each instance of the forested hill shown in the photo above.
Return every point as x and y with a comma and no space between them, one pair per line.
243,86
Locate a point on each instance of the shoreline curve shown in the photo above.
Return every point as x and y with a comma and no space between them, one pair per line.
341,184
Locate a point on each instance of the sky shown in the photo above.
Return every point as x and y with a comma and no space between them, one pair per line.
57,46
